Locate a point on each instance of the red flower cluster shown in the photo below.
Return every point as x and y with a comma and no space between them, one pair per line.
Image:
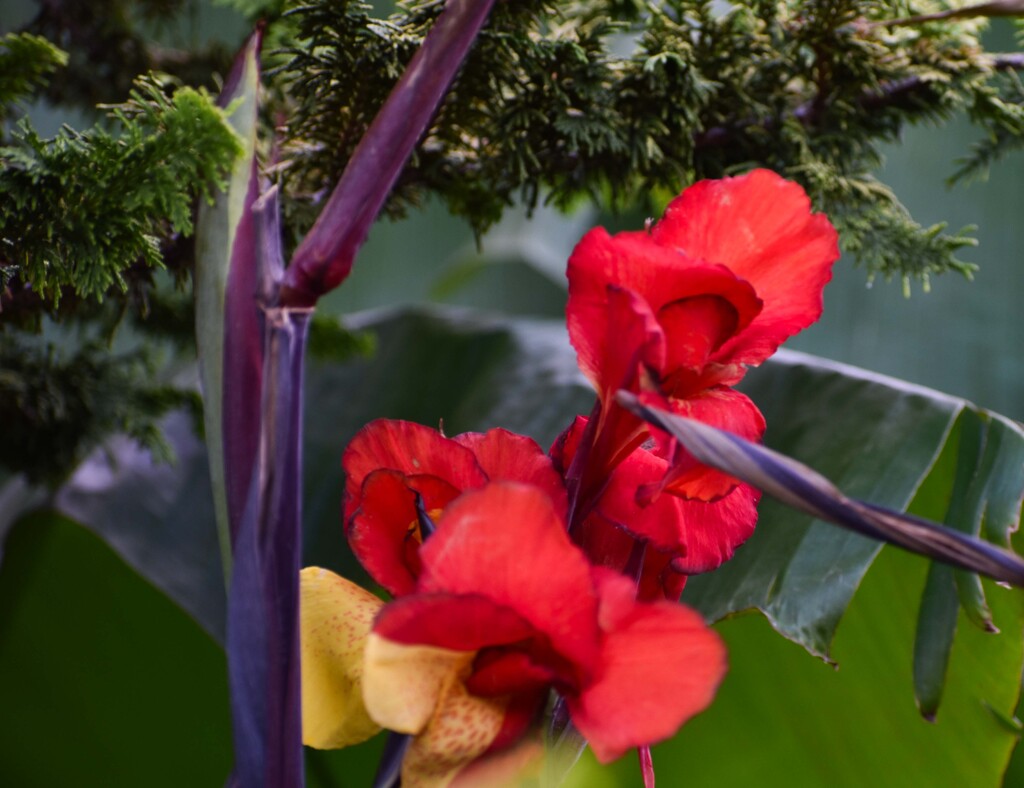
676,314
517,573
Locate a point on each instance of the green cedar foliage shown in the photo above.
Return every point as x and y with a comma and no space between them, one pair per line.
55,407
86,217
26,62
81,208
623,102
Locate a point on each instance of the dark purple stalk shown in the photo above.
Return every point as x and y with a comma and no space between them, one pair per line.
263,602
325,256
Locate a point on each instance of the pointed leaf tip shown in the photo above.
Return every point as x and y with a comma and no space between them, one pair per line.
228,331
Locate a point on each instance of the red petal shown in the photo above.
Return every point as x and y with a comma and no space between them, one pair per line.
568,441
521,711
660,666
411,449
460,622
721,407
656,276
609,545
506,456
606,543
513,657
697,536
612,328
508,672
379,530
711,532
761,227
695,327
660,579
507,542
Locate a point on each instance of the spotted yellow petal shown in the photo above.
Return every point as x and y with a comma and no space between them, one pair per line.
403,684
335,618
419,690
514,767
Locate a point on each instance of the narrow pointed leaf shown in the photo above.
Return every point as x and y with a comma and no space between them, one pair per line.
988,477
804,489
228,333
938,614
325,256
933,641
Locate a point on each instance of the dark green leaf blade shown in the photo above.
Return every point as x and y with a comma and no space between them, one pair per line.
783,718
104,680
876,438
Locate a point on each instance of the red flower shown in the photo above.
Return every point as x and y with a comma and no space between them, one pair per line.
502,583
735,267
684,535
390,464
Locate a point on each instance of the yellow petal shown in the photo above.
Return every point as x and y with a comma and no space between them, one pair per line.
335,617
420,690
403,684
512,767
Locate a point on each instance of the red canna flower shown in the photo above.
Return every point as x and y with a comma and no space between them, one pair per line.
677,314
734,268
505,609
396,469
631,673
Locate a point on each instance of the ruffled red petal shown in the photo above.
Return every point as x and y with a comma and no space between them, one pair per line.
761,227
721,407
613,330
609,545
498,672
410,449
460,622
660,665
695,536
507,456
671,293
507,542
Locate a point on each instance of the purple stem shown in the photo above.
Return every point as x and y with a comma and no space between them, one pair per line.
263,602
325,256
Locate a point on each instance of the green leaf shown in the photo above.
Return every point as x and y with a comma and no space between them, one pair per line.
158,517
979,478
876,439
104,680
783,718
